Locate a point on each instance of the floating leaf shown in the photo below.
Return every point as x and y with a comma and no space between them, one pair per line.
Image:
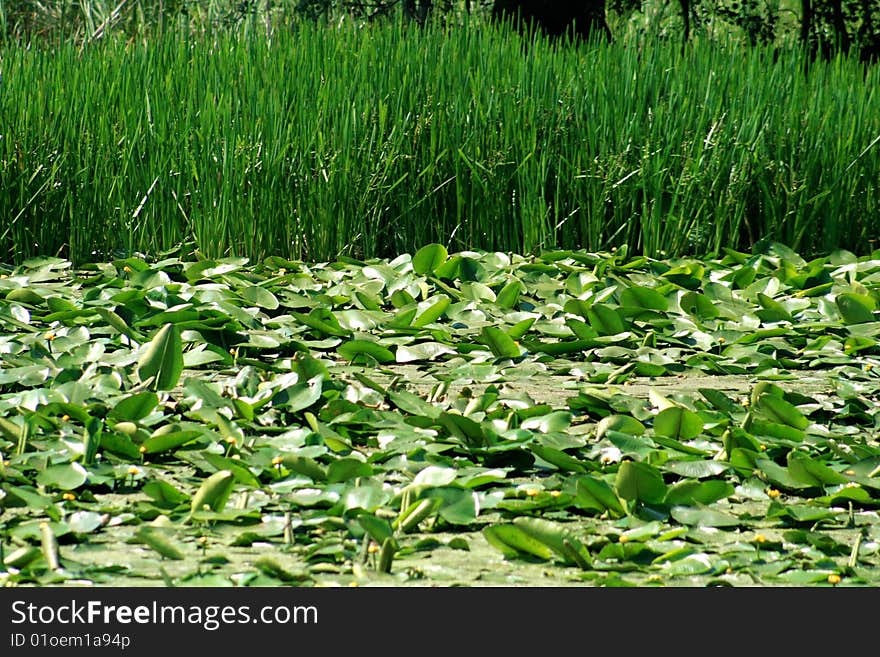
67,476
514,542
621,423
640,482
162,359
354,348
855,308
678,423
428,258
501,344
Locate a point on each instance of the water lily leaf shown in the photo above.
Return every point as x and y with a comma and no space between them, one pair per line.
780,411
696,469
163,494
422,351
162,359
67,476
434,475
621,423
555,421
323,321
779,475
241,473
698,305
345,469
643,297
84,522
772,310
299,396
167,438
501,344
509,294
605,319
354,348
848,494
689,493
29,497
518,330
678,423
135,407
703,517
304,465
560,539
119,444
465,429
432,313
160,541
812,472
558,458
692,564
640,482
366,494
260,296
458,506
513,542
720,401
855,308
379,529
428,258
597,494
688,275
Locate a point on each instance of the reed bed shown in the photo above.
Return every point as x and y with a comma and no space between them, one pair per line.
314,142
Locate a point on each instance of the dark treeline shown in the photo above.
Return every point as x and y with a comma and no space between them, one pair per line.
823,27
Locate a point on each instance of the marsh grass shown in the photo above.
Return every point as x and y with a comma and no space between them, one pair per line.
324,141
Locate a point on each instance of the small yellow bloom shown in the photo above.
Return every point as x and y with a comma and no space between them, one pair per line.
760,538
555,493
746,402
142,449
65,418
230,440
851,473
722,340
773,493
50,336
353,584
127,269
532,492
202,540
763,448
729,571
869,367
69,497
373,548
834,579
134,470
623,539
277,461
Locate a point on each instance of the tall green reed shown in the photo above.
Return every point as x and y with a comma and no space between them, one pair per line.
320,141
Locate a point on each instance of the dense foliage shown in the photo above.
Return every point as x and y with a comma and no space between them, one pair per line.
374,141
